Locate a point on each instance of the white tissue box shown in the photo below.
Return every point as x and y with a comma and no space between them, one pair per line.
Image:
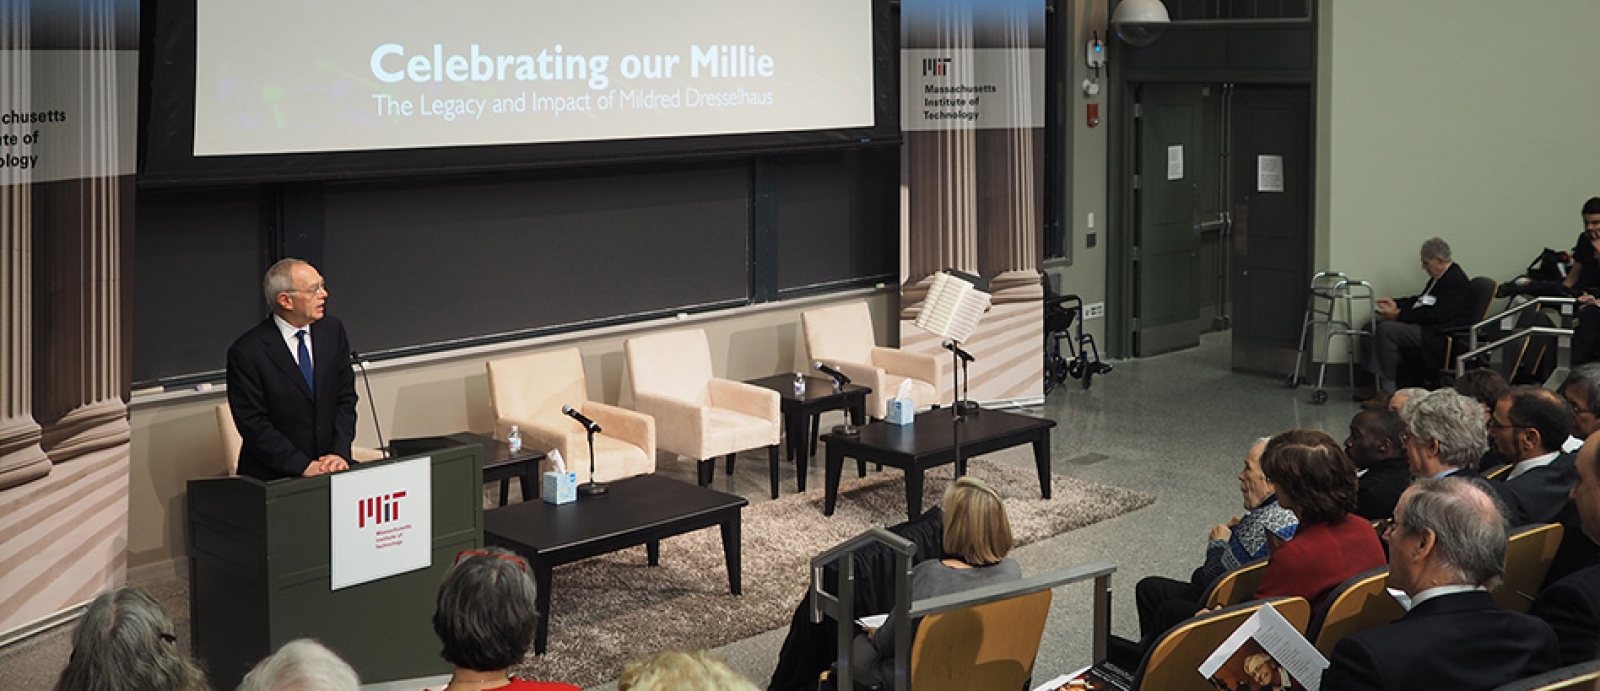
901,411
559,488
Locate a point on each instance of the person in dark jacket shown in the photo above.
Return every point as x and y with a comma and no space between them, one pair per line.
1376,446
1447,543
1412,328
1572,605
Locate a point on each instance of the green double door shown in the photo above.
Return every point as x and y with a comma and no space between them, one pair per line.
1221,218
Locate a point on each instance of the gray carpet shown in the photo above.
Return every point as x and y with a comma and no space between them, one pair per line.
612,609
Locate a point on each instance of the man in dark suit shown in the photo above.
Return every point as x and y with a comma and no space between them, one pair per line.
1412,328
1377,448
289,382
1572,604
1447,543
1528,426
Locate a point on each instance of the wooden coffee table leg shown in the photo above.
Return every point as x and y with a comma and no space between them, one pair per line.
541,604
732,552
913,492
1041,458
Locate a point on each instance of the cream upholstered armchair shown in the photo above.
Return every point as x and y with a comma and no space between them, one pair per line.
232,442
699,415
529,390
842,337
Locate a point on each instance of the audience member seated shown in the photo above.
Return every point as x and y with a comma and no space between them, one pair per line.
675,671
1397,400
1582,281
485,617
1528,426
1377,447
1581,390
1447,543
125,641
977,538
1572,604
1484,385
1164,602
302,665
1317,482
1447,434
1412,328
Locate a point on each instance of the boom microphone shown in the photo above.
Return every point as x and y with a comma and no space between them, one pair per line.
588,424
838,377
952,347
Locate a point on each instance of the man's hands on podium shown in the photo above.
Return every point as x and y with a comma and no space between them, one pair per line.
330,463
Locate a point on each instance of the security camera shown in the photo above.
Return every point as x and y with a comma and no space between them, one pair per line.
1140,22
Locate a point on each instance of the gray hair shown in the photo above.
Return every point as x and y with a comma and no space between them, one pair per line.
125,641
486,615
302,665
1410,395
1587,378
279,279
1454,420
1436,248
1468,525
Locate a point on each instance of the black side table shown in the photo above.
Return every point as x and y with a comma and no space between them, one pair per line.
499,464
802,413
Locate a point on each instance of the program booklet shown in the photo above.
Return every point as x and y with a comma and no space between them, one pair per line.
1265,653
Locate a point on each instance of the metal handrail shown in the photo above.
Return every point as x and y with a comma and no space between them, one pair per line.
1474,349
841,606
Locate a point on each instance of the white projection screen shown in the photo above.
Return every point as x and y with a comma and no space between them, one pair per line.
299,76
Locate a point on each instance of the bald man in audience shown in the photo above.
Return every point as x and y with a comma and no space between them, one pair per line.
1572,604
1447,544
1528,426
1376,446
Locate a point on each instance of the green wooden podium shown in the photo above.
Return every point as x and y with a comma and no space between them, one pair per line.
259,566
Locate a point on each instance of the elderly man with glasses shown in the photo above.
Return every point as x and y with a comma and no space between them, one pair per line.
289,381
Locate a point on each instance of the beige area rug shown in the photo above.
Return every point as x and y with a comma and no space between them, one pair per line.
612,609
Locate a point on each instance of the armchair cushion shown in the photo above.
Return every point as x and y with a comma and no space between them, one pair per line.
697,415
529,391
842,332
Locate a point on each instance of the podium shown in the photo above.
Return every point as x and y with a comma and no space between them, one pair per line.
259,573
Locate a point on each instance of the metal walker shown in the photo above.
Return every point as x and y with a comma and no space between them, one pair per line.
1329,291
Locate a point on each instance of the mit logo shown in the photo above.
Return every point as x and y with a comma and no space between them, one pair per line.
379,510
937,67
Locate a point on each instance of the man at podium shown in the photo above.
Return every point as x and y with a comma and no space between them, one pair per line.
289,382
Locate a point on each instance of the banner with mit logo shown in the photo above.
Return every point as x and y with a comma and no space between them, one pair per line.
381,520
972,178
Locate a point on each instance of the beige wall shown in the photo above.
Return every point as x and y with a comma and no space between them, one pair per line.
175,434
1086,173
1474,121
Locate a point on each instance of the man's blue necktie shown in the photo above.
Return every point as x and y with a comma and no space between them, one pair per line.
305,359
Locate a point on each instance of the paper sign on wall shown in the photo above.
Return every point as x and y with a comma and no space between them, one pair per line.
1175,162
1269,173
382,522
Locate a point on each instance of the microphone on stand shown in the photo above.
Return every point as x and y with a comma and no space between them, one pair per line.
590,488
952,347
839,378
582,419
361,364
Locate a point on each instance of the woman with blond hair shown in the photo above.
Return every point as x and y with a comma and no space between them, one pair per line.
977,538
675,671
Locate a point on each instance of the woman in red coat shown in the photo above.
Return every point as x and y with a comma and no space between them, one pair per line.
1317,482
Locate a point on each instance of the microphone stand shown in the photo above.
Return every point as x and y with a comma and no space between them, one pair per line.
372,404
591,488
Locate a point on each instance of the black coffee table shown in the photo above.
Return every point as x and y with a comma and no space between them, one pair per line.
806,409
637,510
931,441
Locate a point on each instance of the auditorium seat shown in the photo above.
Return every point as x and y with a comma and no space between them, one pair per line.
232,442
529,391
843,337
698,414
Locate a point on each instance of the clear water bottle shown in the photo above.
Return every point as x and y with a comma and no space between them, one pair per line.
514,440
799,384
